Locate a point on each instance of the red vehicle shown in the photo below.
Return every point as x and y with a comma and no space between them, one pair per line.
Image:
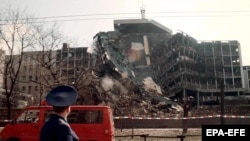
93,123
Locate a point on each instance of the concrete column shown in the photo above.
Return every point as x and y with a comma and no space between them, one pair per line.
146,48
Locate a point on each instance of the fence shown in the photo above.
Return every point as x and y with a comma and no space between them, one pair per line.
191,122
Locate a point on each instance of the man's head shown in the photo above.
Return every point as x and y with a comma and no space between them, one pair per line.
62,96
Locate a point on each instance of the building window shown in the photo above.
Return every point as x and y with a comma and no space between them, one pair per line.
23,88
23,78
78,62
78,54
30,77
64,72
36,88
31,67
24,68
70,54
64,55
29,90
71,72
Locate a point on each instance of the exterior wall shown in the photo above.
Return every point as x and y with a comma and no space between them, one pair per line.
71,61
32,71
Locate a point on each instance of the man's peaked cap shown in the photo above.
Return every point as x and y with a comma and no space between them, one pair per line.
62,96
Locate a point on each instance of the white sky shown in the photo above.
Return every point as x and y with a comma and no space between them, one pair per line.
184,15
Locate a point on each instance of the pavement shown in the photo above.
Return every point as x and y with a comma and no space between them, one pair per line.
158,134
158,131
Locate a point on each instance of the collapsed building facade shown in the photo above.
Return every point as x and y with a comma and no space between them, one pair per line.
176,66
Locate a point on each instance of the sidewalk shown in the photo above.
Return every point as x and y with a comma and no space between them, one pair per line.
163,134
157,132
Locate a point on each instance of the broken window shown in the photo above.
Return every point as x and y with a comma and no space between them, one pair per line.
225,49
234,49
228,71
236,71
236,60
217,49
227,60
208,50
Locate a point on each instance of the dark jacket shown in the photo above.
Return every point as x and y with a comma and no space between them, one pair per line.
57,129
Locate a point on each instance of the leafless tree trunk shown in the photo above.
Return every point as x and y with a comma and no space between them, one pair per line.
15,37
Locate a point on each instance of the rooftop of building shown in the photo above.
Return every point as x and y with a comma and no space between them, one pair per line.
140,26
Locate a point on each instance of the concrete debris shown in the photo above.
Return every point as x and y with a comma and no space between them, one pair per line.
150,85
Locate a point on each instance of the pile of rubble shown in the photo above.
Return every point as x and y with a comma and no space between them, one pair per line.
125,98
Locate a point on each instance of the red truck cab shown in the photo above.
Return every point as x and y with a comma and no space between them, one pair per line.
93,123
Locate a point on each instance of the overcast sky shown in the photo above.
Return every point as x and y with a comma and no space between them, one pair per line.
201,19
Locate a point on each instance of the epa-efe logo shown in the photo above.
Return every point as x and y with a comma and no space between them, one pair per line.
227,132
213,132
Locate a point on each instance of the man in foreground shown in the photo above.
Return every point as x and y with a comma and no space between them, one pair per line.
57,128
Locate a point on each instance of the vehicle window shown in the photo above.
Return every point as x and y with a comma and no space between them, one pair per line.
28,116
86,116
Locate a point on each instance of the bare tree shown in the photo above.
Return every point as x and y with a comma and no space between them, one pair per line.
24,37
16,36
48,40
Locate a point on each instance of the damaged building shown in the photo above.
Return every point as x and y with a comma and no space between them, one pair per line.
142,68
163,65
